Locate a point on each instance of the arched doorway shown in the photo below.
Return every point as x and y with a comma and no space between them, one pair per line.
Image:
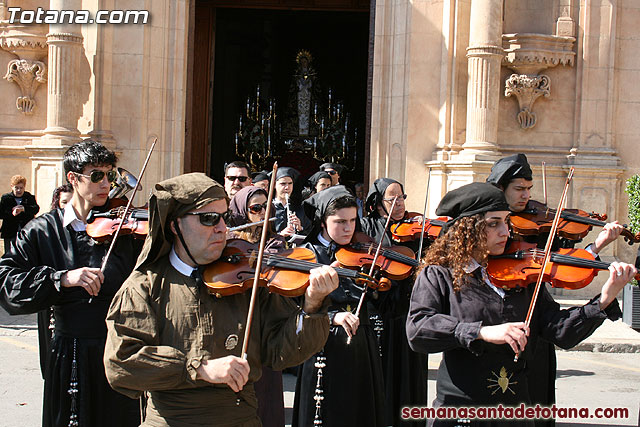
240,46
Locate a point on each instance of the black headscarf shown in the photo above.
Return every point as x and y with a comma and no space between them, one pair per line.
471,199
336,167
509,168
316,205
313,179
239,204
376,193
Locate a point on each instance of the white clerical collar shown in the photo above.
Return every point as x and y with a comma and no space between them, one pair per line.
473,266
70,217
324,242
178,264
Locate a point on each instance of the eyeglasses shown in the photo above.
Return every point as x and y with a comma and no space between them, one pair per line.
332,172
257,208
97,176
239,178
211,219
390,199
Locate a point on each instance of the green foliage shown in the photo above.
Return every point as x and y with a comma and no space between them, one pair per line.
633,190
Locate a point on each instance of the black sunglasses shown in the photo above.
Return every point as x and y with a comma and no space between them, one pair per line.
211,219
97,176
331,172
239,178
257,208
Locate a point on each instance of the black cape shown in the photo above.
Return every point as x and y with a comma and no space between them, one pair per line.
43,247
405,371
352,381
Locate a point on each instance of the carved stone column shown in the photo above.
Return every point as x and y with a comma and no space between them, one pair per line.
64,105
65,49
485,55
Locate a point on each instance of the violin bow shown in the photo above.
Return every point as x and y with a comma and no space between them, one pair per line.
250,224
424,216
547,253
126,210
375,258
256,278
544,181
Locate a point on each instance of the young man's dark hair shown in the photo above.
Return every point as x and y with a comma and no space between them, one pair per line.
87,152
237,164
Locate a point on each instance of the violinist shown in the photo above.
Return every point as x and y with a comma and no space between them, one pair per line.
290,217
456,310
514,177
249,206
405,371
56,264
172,340
347,376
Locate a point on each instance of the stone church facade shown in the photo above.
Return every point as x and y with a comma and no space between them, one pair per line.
455,84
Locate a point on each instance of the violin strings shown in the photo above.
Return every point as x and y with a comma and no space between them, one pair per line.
576,261
392,255
292,263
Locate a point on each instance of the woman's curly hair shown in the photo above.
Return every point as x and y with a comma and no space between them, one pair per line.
466,239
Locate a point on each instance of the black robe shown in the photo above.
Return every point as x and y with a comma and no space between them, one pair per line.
43,247
352,380
405,371
474,372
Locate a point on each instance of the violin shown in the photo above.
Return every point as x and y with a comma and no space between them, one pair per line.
410,228
394,262
285,273
574,224
102,226
567,269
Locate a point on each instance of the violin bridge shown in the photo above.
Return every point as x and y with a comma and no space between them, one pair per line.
253,258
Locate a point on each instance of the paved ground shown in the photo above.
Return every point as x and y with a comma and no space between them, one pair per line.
587,379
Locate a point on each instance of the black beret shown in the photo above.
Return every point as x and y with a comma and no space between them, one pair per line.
509,168
471,199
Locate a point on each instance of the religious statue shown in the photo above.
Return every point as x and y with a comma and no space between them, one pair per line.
304,95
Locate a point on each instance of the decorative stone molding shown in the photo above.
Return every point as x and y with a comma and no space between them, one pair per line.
28,75
532,53
14,39
527,89
528,55
28,71
64,37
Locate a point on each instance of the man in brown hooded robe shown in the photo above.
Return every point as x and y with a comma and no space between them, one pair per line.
168,337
